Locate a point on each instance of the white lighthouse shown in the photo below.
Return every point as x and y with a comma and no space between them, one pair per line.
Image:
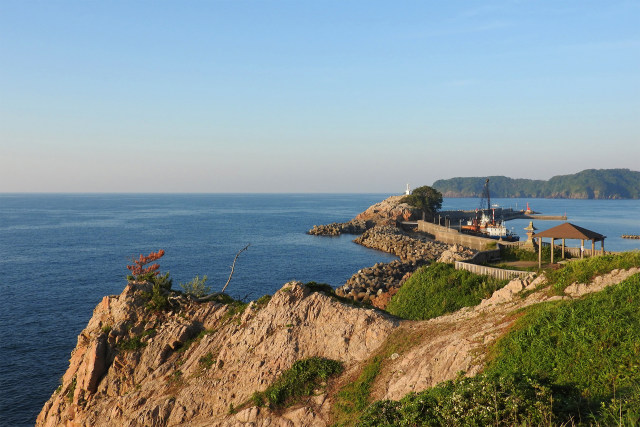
408,190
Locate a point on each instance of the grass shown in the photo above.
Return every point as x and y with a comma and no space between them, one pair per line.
514,253
354,397
302,379
590,346
584,270
207,361
438,289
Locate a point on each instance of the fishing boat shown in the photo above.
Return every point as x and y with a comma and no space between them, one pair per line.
484,225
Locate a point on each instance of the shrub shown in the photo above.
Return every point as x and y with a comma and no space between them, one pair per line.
196,287
300,380
159,295
320,287
478,401
438,289
131,344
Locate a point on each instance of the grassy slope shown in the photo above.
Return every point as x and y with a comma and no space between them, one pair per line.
438,289
563,362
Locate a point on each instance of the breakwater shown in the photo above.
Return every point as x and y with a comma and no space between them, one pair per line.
381,278
338,228
630,236
407,247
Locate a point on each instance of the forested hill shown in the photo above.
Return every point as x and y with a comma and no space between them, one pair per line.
588,184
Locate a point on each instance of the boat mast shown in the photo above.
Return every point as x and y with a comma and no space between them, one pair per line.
485,195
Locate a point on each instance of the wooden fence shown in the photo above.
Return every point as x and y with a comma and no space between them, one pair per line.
498,273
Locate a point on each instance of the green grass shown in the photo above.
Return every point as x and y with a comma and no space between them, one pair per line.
584,270
353,398
207,361
514,253
438,289
131,344
301,379
591,345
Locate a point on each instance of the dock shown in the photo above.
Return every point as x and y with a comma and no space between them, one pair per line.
506,214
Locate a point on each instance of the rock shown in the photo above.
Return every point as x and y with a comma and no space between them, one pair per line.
162,383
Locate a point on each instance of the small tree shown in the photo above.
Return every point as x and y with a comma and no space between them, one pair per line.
425,198
161,284
140,270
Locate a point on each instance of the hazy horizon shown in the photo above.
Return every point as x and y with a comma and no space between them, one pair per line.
325,97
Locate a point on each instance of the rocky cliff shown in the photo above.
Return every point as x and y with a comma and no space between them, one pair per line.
390,211
199,363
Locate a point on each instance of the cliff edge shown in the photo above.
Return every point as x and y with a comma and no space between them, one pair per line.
200,363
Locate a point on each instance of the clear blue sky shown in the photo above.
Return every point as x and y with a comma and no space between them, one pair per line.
312,96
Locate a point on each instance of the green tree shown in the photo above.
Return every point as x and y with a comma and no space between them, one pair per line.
425,198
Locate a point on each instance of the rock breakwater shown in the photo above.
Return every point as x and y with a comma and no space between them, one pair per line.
406,247
338,228
374,281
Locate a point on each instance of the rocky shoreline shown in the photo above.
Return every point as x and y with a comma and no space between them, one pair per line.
338,228
399,243
378,228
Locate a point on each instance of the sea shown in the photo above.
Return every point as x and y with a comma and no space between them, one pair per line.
61,253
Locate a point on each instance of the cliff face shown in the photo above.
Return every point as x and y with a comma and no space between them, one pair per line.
133,367
192,366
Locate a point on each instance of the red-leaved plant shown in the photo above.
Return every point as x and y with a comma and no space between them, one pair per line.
140,270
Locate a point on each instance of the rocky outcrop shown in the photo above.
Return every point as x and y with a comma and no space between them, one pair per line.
387,212
199,364
190,366
338,228
456,253
381,278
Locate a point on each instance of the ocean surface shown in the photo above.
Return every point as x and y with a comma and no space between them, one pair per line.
60,254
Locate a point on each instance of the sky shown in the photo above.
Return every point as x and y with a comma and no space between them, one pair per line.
356,96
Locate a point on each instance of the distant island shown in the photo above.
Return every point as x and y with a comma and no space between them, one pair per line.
588,184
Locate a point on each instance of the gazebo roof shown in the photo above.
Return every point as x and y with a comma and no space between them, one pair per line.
570,231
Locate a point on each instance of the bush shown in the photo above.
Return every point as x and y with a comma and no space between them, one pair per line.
592,344
438,289
478,401
196,287
300,380
159,295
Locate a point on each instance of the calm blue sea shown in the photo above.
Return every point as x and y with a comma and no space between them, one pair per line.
60,254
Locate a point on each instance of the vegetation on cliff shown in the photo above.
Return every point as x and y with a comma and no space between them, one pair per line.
302,379
566,362
590,346
438,289
588,184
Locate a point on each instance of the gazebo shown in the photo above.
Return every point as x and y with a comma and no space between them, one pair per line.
569,231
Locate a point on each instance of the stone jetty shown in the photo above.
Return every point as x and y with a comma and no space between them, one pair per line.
407,247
